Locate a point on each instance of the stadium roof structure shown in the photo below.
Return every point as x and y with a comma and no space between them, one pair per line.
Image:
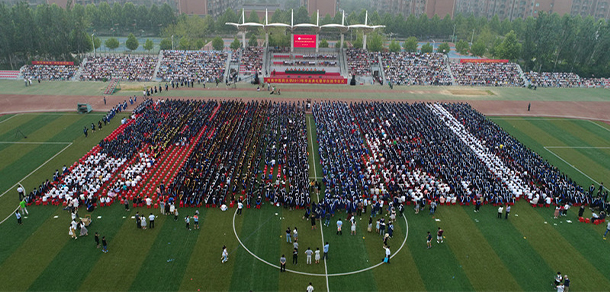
291,26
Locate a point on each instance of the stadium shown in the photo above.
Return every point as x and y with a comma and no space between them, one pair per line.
239,169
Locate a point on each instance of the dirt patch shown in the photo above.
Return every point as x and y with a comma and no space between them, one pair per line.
136,87
470,92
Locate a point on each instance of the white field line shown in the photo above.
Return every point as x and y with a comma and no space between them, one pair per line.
9,215
318,196
599,125
325,274
8,119
35,170
547,149
36,143
576,147
541,117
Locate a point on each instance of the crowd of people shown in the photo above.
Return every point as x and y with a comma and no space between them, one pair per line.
406,68
251,59
487,74
439,154
226,167
129,68
49,72
201,66
359,61
553,79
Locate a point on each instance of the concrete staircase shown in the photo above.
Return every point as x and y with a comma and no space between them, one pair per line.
450,71
160,58
80,70
525,81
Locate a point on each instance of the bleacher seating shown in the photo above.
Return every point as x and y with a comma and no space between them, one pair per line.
9,74
50,72
194,65
406,68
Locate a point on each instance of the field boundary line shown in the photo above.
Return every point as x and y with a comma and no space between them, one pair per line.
9,215
542,117
576,168
577,147
35,170
590,121
36,143
9,118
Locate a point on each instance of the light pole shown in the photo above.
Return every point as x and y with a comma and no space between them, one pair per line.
453,36
172,42
472,38
93,43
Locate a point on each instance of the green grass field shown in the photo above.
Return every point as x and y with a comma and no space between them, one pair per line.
480,252
363,92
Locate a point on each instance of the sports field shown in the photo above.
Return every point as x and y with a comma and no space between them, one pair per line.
480,252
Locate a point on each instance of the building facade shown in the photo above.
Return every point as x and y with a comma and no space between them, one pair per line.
510,9
324,6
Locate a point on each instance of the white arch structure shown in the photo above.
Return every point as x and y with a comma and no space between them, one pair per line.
244,26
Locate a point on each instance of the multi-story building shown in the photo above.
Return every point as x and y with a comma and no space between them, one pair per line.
512,9
207,7
595,8
404,7
324,6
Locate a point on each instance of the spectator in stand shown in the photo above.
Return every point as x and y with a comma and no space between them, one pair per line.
487,74
130,68
192,66
49,72
406,68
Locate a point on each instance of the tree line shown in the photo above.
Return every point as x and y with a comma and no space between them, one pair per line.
548,42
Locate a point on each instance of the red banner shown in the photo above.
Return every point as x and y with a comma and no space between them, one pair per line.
304,40
483,61
64,63
305,80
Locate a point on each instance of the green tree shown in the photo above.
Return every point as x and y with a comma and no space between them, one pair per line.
148,45
427,48
357,44
112,43
410,45
278,37
394,46
218,44
374,42
253,41
462,47
166,44
301,15
510,48
199,44
443,48
235,44
97,42
326,20
478,48
104,16
323,43
253,17
184,44
132,42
